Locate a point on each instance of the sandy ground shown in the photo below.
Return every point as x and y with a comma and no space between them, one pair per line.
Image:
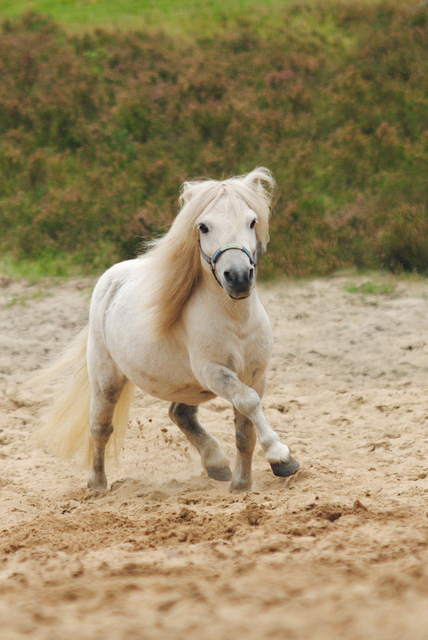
338,551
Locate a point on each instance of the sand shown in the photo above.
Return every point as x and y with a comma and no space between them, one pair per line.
339,550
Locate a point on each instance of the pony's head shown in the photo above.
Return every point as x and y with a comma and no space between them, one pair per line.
232,227
228,244
214,215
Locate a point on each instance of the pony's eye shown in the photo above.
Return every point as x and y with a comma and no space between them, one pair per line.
203,228
253,224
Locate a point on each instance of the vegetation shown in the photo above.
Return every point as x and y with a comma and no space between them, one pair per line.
99,129
372,288
185,17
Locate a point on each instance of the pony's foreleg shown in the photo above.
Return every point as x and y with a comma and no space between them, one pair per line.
212,455
245,442
224,383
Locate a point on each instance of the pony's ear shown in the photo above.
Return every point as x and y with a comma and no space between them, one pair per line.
262,246
261,179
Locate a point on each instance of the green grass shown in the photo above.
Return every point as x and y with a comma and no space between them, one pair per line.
186,16
370,287
22,301
190,18
47,266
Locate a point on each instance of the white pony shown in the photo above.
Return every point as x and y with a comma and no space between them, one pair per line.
183,323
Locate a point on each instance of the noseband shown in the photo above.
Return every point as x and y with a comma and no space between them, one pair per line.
227,247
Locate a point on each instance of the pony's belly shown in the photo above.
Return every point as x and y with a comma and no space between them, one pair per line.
187,393
190,396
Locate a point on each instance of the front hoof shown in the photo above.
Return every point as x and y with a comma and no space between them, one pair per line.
222,474
284,469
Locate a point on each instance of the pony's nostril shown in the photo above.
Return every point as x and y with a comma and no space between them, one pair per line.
251,275
229,277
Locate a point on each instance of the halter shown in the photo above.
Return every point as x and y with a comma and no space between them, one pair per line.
227,247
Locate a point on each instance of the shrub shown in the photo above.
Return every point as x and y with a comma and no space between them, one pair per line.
99,130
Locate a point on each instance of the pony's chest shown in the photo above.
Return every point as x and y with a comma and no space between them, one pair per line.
243,346
246,354
248,358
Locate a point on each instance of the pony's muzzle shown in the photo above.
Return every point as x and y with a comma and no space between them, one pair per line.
238,282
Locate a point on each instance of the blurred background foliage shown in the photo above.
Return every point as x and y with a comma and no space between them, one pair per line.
100,126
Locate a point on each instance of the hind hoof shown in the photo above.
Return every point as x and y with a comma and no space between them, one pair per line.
222,474
239,486
97,482
284,469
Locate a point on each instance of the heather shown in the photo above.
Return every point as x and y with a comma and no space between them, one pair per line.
98,130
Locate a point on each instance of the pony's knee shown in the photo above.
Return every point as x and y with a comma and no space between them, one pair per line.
248,403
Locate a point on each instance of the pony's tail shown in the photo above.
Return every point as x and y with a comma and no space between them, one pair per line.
64,425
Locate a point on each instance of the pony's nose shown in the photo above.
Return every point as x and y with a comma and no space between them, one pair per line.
239,281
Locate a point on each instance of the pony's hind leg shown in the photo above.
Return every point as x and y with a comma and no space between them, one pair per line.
212,455
107,386
246,438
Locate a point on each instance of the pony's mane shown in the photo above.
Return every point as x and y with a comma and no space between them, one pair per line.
175,260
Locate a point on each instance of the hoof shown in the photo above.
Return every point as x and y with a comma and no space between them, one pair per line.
284,469
223,474
97,482
243,487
